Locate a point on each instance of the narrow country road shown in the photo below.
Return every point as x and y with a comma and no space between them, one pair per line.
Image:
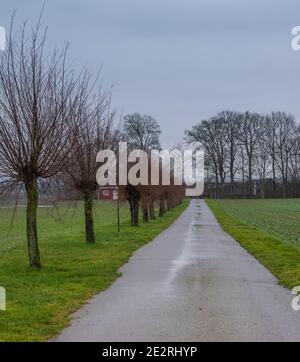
192,283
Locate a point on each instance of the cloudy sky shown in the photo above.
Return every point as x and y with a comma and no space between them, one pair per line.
180,60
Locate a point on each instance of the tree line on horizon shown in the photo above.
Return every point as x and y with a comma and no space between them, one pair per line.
247,146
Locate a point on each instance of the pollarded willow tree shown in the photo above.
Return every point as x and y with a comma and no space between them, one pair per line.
92,131
35,103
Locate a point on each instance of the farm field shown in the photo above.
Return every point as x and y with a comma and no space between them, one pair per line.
268,229
280,218
39,302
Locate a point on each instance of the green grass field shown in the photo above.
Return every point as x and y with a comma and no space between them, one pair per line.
39,302
268,229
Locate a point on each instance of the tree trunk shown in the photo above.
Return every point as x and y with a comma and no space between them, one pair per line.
162,207
151,210
89,218
232,171
284,187
217,185
221,194
31,224
169,207
250,178
134,212
286,175
133,197
262,191
274,177
243,172
145,213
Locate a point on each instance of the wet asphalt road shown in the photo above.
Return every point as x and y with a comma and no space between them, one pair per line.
192,283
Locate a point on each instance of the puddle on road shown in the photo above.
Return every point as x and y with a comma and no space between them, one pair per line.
188,257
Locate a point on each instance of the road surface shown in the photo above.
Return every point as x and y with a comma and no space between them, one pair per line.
192,283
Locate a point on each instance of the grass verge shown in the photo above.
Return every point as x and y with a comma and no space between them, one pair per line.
39,303
277,255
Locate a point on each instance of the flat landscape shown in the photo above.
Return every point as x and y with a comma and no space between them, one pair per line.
38,303
279,217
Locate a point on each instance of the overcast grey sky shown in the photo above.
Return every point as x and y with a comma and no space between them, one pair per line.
180,60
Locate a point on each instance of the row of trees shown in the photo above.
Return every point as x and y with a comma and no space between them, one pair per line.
247,146
53,122
142,133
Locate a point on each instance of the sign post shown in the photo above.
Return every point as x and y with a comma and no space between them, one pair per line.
116,197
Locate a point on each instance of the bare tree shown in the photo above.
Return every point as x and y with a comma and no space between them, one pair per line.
250,135
261,164
294,168
35,93
92,131
209,133
231,128
284,142
250,146
141,132
271,128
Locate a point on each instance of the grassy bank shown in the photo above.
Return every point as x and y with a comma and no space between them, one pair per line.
268,229
39,303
